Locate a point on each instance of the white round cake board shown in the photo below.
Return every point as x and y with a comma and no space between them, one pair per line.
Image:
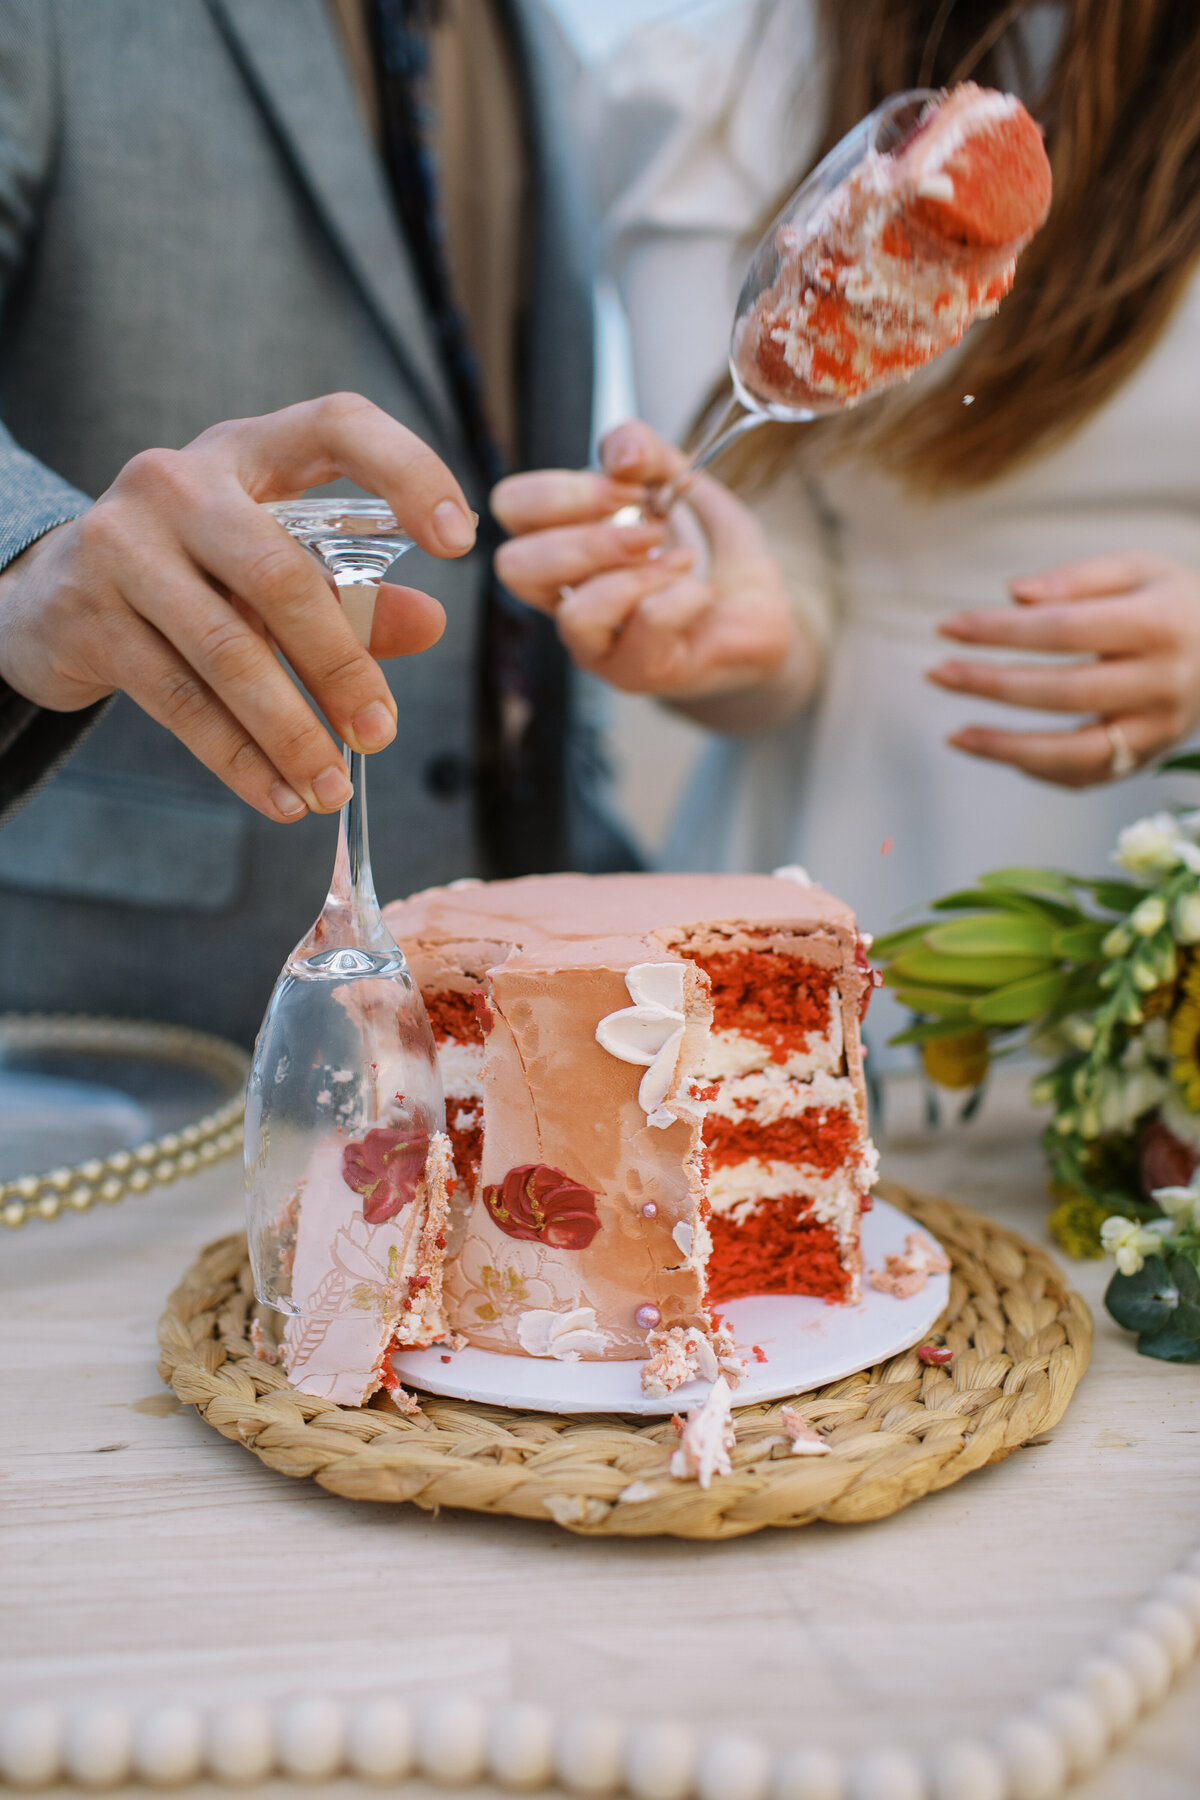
805,1343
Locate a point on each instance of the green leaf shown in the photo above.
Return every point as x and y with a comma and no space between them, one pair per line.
1021,1001
1030,881
1169,1345
1189,762
942,1003
1145,1301
1186,1278
1081,943
993,934
923,964
892,944
1187,1319
927,1031
1115,896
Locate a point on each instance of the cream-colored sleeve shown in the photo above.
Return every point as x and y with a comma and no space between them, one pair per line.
800,537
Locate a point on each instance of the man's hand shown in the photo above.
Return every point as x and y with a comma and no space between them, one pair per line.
176,588
643,615
1135,618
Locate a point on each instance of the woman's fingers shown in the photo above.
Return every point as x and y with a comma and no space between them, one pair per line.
548,497
538,567
633,452
284,453
1125,684
1113,627
590,618
1091,577
1073,759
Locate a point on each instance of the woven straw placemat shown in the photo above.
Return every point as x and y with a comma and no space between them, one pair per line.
1020,1340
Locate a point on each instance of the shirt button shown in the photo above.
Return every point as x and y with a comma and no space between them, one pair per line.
448,776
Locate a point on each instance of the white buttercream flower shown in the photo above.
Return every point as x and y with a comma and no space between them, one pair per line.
650,1031
565,1335
1130,1242
793,872
1186,920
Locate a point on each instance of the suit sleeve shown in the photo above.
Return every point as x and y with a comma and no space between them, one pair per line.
33,498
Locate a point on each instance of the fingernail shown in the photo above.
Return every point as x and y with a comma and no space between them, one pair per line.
333,786
373,727
627,458
455,527
287,801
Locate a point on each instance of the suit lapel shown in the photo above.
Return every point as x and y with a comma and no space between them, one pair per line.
289,55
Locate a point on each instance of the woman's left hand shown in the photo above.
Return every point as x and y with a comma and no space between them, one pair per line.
1136,618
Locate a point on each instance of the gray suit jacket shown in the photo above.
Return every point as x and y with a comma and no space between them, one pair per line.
194,225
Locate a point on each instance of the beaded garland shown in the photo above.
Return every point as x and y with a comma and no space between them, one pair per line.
457,1741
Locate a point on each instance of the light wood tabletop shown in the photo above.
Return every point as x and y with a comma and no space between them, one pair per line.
144,1558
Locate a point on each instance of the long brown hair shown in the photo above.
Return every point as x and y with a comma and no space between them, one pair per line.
1121,113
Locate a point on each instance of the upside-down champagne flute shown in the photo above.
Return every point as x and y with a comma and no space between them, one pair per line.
344,1091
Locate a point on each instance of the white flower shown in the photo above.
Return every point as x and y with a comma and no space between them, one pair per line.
1151,847
1181,1204
1186,922
1131,1243
1149,915
650,1031
561,1334
1079,1029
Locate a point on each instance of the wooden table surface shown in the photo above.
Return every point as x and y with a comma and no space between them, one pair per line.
145,1558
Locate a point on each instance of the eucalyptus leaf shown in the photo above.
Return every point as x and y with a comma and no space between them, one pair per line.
1186,1278
1145,1301
1187,1318
993,934
1021,1001
923,964
1169,1345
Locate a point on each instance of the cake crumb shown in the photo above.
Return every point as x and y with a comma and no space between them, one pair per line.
637,1490
706,1438
803,1439
259,1344
907,1274
689,1353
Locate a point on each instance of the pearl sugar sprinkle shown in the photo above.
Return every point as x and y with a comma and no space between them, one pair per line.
456,1741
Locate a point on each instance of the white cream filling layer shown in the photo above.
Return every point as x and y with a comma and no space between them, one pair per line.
738,1190
462,1070
771,1094
729,1053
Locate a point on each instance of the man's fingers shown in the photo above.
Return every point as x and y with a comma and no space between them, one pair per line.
1090,578
252,556
1102,628
1074,759
1126,684
157,678
538,567
406,622
285,453
549,497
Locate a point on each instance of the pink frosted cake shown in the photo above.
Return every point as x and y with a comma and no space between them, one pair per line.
655,1105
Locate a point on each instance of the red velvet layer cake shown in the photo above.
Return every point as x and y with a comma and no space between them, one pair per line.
655,1103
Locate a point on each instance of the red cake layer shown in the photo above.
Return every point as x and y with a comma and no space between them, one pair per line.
774,999
822,1138
780,1249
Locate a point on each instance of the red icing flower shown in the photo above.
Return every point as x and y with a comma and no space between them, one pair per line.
542,1204
385,1167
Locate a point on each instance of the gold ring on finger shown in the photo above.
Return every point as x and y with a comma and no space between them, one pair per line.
1121,761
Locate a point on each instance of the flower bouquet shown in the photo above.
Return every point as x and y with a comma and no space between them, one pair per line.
1101,978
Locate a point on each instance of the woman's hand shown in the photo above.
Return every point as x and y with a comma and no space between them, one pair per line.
699,617
176,588
1136,618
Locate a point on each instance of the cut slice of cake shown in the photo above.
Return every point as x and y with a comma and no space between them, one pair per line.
655,1102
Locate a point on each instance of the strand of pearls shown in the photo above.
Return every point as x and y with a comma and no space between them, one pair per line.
456,1741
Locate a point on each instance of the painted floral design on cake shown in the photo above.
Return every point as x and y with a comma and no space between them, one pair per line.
542,1205
385,1167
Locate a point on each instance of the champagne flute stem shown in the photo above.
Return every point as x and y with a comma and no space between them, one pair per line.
353,885
734,423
